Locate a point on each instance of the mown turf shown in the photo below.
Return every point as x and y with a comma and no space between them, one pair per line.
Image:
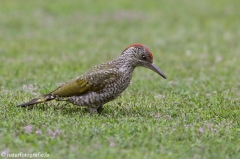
195,113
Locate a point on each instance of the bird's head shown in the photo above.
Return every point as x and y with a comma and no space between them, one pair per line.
140,55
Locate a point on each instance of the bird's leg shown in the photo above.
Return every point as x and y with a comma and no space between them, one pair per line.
95,110
92,110
100,109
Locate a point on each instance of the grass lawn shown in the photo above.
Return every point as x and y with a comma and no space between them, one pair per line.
194,113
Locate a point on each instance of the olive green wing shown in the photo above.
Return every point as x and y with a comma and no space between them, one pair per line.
94,80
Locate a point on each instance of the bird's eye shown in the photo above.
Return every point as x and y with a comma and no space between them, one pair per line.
144,57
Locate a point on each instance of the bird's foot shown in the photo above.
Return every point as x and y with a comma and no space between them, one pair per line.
100,109
95,110
92,110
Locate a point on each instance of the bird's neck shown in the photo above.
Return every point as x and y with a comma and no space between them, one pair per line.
124,65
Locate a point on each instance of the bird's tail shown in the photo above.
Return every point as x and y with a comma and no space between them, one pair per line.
44,98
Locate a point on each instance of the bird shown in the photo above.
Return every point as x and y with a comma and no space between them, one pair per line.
104,82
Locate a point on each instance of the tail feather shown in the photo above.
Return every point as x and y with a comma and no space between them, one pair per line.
43,99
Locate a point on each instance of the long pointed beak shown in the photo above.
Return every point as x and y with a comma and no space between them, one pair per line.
157,70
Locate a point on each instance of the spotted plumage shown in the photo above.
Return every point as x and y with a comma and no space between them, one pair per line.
103,82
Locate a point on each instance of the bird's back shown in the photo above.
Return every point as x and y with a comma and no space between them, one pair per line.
93,80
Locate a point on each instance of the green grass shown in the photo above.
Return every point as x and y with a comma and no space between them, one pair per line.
195,113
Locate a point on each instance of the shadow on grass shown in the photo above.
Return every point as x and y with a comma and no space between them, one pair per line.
113,110
71,110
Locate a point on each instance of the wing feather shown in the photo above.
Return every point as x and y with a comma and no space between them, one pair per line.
94,80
